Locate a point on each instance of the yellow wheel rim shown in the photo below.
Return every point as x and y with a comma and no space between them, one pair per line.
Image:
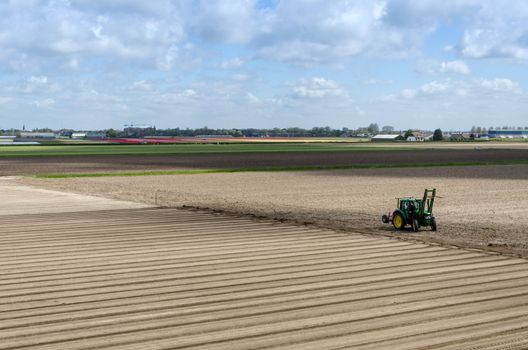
397,220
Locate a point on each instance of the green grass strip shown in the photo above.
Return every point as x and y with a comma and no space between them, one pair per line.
279,169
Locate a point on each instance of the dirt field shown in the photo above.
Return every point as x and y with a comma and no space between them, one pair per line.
485,207
18,199
167,278
116,163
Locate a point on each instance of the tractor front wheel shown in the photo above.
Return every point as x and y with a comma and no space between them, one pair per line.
433,224
397,221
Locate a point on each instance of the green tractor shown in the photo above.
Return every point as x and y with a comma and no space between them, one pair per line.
414,212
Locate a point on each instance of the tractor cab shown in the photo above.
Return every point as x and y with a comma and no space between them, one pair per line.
413,211
408,205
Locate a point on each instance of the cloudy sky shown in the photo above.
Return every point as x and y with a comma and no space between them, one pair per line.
92,64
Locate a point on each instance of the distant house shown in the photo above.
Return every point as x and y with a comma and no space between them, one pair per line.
387,138
78,135
457,137
422,136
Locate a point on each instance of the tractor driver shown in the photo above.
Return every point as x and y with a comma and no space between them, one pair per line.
410,209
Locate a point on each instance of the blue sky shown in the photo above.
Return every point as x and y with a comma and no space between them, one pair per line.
94,64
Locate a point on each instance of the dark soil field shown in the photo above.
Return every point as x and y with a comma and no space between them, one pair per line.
118,163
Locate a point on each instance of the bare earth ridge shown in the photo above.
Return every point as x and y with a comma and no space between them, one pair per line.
483,207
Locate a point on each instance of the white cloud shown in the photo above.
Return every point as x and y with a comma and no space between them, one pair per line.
445,67
435,87
38,80
501,84
252,99
47,102
458,67
74,64
431,89
33,85
5,100
378,82
188,93
232,21
68,31
300,32
408,93
497,30
478,88
323,32
317,88
232,63
240,77
141,85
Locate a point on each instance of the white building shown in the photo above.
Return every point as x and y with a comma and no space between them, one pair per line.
387,138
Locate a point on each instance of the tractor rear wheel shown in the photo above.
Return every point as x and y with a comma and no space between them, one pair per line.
433,224
415,225
397,221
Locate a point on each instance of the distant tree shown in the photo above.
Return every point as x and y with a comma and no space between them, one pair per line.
362,130
408,133
373,128
111,133
387,129
438,135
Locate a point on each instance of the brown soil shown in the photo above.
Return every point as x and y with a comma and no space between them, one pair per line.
156,279
482,207
75,164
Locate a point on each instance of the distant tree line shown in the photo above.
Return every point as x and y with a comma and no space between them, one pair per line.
325,131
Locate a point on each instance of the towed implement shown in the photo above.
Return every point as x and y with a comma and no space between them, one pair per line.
414,212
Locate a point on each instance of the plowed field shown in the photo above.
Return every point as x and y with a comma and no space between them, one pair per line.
173,279
483,207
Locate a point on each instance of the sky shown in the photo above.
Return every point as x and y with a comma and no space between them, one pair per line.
97,64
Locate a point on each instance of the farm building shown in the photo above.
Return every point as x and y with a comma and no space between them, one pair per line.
37,135
78,135
419,137
387,138
508,134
